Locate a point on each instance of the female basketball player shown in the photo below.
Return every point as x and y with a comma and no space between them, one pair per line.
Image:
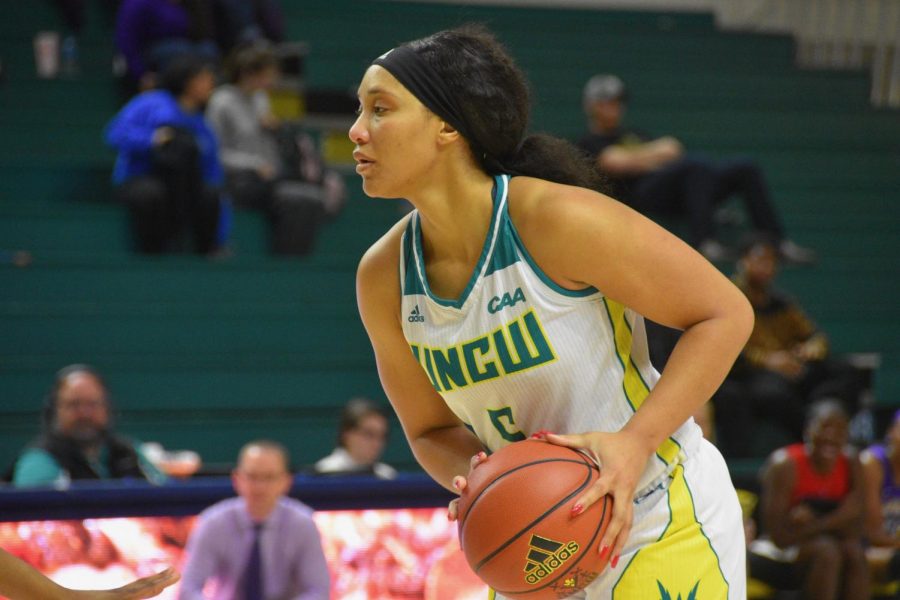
518,311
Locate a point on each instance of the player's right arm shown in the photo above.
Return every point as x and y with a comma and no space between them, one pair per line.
439,440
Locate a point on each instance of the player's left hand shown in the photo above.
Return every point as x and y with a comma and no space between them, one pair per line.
622,458
459,484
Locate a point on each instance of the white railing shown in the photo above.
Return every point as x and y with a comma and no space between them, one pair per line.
831,34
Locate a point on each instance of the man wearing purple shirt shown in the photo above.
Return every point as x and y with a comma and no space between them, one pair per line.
286,562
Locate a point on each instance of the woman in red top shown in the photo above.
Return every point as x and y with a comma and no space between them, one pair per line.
812,500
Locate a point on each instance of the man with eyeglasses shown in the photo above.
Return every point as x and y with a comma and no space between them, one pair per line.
260,545
78,441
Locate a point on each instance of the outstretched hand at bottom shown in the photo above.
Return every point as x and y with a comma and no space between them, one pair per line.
146,587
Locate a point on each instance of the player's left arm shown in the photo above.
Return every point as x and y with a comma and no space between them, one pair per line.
581,238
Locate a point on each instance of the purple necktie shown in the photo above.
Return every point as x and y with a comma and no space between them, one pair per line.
253,585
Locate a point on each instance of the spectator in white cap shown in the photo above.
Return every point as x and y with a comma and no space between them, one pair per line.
655,175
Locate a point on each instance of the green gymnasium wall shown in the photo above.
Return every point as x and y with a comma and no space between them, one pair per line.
206,355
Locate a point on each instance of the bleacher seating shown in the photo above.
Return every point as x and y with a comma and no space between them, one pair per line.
205,355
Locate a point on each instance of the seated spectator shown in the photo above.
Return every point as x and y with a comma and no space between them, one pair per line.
362,435
20,581
811,510
78,441
881,474
151,33
260,544
786,364
655,175
269,166
167,171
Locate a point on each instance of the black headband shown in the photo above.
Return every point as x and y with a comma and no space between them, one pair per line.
420,79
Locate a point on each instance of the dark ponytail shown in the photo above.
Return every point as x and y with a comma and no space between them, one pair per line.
551,158
492,95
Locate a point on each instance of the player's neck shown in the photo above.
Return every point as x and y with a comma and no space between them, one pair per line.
455,213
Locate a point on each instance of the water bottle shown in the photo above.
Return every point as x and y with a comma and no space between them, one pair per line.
69,55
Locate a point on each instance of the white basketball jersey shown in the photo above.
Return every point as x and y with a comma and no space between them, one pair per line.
517,353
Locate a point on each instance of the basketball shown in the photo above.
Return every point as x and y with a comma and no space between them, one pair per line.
515,524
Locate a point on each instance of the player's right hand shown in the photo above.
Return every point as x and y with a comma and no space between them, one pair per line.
622,458
459,484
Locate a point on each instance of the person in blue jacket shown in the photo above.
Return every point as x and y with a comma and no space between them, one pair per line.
168,171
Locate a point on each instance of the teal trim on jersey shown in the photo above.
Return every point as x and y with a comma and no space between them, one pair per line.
412,285
501,183
505,253
540,273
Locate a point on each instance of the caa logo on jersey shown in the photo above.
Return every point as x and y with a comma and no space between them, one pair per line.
415,317
498,303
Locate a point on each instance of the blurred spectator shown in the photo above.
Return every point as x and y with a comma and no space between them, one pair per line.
811,508
20,581
73,13
881,474
270,166
16,258
260,544
243,21
151,33
362,435
167,171
78,441
786,363
655,175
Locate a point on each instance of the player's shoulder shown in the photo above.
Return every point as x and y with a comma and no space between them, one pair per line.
554,221
547,203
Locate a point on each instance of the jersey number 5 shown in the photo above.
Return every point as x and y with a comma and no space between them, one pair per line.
503,422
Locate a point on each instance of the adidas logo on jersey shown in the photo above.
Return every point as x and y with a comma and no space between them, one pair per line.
415,316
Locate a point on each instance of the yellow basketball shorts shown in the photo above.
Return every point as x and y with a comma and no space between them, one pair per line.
687,541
